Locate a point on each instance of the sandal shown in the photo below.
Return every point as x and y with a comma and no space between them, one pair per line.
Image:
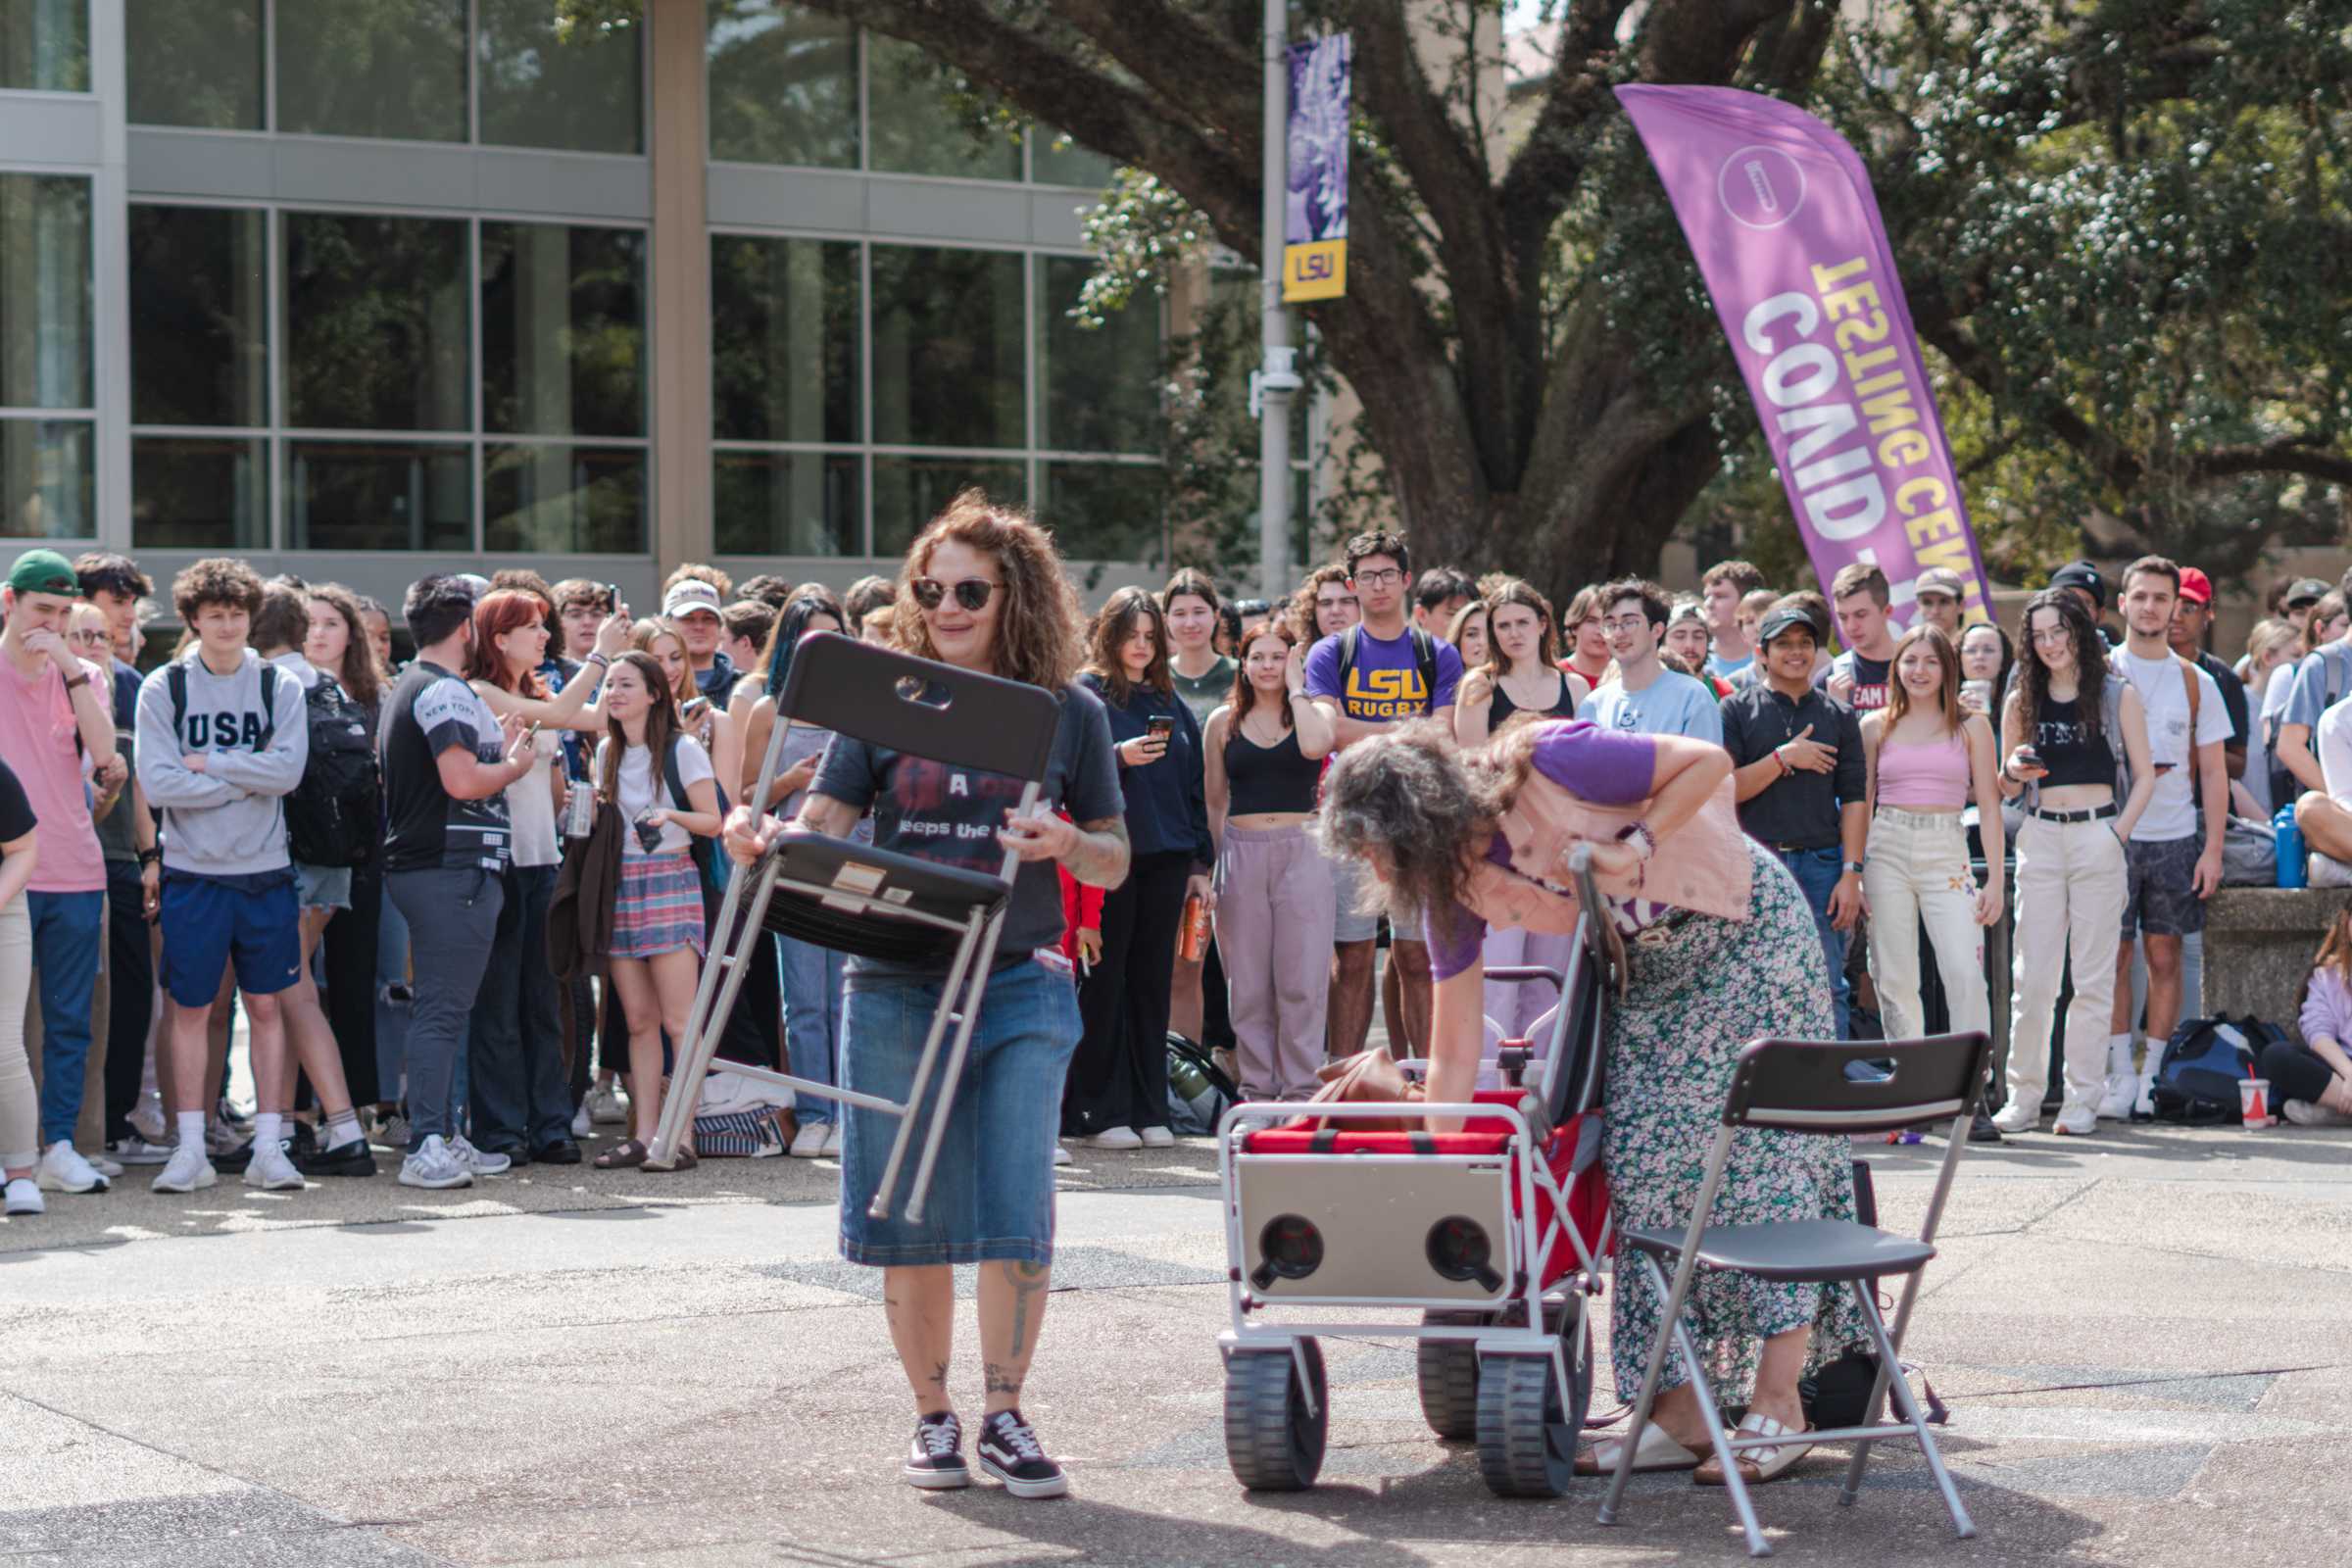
1759,1465
1654,1453
628,1156
683,1160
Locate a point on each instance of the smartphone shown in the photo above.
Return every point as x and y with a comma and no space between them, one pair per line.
649,834
614,589
1160,729
2028,757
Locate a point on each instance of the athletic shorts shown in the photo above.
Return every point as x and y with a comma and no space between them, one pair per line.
2160,893
1349,876
208,924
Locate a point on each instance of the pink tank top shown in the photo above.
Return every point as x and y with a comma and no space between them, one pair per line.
1924,778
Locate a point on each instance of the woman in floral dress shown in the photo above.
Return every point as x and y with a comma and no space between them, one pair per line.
1470,837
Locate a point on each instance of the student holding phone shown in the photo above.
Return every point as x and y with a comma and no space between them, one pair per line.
2068,723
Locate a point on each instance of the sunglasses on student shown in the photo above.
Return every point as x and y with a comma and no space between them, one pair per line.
972,593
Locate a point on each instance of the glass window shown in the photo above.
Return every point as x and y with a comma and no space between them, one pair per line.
787,504
375,322
562,329
784,339
194,63
380,495
909,491
45,45
1105,510
1100,386
782,84
946,345
560,500
199,308
562,76
927,118
372,67
199,493
1055,160
48,478
44,292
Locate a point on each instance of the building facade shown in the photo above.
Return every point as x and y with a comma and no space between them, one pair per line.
355,287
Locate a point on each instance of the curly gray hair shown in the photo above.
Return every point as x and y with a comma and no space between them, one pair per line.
1409,795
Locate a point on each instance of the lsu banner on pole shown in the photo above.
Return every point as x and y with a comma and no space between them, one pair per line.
1315,253
1780,213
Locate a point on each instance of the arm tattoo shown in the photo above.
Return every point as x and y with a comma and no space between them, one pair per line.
1100,858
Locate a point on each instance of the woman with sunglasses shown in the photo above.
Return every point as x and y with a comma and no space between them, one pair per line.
983,590
1117,1094
2069,721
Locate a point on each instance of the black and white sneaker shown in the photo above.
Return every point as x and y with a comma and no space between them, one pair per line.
935,1459
1009,1450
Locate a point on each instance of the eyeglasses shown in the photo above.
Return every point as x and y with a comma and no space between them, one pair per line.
1628,624
88,639
1378,576
972,593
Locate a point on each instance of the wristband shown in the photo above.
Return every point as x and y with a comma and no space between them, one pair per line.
599,660
1644,842
79,679
150,857
1782,757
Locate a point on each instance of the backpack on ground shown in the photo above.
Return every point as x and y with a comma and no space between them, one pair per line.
2202,1065
332,814
1199,1090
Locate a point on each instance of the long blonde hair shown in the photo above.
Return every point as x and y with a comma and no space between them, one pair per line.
1947,659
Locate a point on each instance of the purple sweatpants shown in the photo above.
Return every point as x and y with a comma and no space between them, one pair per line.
1276,906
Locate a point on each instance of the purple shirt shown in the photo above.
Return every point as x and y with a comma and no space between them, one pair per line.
1602,767
2326,1009
1385,682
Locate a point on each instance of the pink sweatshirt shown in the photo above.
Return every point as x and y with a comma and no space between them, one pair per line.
2328,1009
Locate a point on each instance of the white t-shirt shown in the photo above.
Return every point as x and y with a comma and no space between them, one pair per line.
2171,812
2331,742
641,788
532,806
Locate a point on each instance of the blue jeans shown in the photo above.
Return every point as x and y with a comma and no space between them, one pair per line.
67,931
515,1054
1817,872
992,1193
453,924
811,1021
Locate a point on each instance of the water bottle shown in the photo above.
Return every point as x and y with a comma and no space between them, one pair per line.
2289,841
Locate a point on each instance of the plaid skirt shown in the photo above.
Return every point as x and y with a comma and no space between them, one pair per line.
659,908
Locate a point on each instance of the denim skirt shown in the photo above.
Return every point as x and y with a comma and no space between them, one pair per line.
992,1193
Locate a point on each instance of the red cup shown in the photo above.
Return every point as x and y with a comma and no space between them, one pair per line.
2254,1101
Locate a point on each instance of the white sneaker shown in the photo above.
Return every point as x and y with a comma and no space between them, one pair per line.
2076,1121
2018,1117
434,1167
582,1125
63,1170
1113,1137
2307,1113
2143,1101
107,1168
2328,873
1159,1138
1061,1155
147,1121
139,1149
272,1171
810,1142
2123,1089
607,1105
474,1160
833,1139
186,1171
23,1196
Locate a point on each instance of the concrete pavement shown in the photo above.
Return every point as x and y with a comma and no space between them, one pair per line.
2143,1338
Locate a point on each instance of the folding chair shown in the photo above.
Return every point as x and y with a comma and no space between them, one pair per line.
1801,1086
857,898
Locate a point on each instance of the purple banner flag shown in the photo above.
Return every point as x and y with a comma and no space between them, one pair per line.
1780,213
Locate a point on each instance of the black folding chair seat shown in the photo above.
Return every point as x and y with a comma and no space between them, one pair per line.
825,892
1807,1250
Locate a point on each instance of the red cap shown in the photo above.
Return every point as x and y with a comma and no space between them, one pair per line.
2195,586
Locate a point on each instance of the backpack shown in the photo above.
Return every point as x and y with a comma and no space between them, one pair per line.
2202,1065
704,852
1199,1090
332,814
1425,657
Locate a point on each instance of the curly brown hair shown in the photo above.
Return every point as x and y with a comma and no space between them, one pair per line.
1410,794
1304,625
1038,625
215,580
1106,639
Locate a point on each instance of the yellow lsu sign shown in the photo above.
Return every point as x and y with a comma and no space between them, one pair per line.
1316,272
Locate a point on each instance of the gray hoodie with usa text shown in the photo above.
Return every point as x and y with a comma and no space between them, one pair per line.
227,819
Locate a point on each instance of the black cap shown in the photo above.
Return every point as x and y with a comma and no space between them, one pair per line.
1780,617
2084,575
2306,591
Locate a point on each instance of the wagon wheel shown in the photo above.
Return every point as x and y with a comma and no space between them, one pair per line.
1271,1440
1447,1371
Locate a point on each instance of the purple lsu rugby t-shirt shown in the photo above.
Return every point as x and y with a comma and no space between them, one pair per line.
1385,682
1602,767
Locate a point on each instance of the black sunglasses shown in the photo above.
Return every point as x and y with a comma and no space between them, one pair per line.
972,593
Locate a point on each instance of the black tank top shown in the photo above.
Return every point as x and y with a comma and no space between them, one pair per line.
1269,778
1500,707
2070,756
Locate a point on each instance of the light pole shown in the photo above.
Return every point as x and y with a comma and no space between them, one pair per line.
1275,383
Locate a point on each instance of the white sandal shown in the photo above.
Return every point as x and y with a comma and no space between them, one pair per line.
1654,1453
1760,1465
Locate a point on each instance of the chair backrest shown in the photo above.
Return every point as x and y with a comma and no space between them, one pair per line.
921,708
1804,1086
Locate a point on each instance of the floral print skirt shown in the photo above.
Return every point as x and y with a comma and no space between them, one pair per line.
1696,994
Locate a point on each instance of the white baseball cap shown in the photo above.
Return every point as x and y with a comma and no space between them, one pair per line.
690,595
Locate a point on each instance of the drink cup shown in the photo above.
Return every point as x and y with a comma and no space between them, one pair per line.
1977,696
2254,1101
579,812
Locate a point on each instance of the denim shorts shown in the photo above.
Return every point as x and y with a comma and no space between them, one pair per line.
1348,875
992,1196
2160,890
206,923
322,887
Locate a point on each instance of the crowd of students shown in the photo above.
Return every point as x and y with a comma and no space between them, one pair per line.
363,858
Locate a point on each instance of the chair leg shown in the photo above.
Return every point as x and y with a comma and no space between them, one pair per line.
1742,1504
1847,1494
1900,1388
1671,1307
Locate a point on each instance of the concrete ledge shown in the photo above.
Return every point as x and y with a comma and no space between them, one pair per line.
2258,948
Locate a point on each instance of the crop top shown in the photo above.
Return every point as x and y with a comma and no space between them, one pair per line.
1930,776
2070,756
1500,707
1269,778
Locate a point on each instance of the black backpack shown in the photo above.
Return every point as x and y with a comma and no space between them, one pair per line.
332,814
